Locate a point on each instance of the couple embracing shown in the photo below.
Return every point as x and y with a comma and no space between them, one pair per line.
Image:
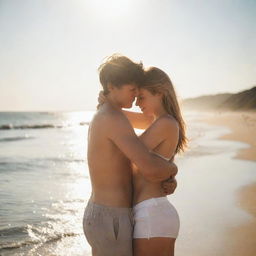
128,212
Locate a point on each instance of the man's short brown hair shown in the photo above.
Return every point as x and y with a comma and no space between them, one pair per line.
119,70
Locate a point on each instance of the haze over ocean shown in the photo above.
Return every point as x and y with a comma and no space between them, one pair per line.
50,50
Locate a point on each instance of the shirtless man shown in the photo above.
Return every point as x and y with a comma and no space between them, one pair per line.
112,145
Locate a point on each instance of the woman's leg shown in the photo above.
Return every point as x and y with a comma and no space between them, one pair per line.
160,246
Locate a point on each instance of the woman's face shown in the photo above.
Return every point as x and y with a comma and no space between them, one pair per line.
148,102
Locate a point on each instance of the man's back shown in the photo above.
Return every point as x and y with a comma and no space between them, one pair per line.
110,171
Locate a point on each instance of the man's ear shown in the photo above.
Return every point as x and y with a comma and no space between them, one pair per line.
110,87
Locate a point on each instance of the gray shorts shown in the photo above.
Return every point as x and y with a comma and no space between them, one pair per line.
108,229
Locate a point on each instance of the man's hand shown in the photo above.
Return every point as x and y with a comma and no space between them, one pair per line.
169,186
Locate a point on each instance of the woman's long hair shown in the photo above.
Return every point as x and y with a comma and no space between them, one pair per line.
157,81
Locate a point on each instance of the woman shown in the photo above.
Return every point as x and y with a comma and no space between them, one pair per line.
156,220
156,224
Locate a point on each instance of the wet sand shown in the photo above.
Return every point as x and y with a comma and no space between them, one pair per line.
242,127
241,240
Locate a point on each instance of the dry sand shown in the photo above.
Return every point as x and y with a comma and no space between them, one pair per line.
241,240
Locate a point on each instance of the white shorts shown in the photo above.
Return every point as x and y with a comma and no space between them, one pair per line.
155,217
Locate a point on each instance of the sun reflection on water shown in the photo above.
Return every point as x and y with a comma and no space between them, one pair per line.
67,213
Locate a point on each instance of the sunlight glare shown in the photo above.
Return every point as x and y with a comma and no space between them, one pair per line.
110,10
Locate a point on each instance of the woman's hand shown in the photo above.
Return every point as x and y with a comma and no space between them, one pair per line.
101,99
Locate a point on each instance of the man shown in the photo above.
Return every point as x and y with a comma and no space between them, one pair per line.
112,145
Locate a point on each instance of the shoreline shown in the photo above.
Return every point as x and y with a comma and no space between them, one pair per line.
242,127
241,240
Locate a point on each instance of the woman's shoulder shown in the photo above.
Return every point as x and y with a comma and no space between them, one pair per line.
167,122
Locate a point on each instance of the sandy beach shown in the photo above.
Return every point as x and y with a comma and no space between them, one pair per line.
241,240
242,127
214,198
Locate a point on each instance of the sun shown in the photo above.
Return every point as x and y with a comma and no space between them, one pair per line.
111,10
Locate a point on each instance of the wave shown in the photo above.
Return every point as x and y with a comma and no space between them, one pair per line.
16,138
38,126
27,240
69,160
30,164
27,126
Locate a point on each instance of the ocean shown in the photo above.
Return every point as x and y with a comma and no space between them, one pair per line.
44,182
45,185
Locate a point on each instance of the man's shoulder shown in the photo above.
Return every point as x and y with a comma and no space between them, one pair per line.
111,123
106,115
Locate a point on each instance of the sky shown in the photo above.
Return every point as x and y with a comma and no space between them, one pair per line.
50,50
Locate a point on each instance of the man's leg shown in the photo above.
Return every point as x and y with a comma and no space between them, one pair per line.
108,230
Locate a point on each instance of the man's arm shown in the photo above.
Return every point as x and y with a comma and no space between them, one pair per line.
152,166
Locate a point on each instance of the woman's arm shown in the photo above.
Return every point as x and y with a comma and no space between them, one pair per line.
138,120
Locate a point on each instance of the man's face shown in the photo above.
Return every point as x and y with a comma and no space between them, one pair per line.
125,95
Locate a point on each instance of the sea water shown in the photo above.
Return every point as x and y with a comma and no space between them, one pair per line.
45,185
